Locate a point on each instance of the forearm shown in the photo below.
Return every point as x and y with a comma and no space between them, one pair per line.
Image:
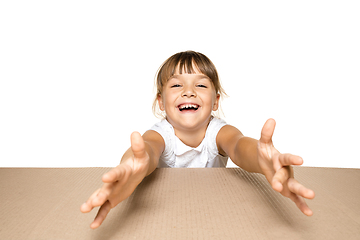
153,158
245,155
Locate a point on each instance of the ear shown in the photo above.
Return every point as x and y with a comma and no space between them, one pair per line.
216,104
160,102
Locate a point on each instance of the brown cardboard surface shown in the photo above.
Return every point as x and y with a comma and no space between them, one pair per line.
214,203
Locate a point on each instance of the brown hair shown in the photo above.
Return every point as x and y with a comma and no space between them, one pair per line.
184,62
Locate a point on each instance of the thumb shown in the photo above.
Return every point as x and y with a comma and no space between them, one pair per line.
267,131
138,145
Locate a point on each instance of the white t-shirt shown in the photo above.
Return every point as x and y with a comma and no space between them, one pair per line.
179,155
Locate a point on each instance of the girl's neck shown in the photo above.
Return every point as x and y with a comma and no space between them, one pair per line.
191,137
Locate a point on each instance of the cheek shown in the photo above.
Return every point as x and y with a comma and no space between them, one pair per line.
210,98
213,100
170,97
166,101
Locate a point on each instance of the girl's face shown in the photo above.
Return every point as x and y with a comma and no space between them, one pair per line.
188,100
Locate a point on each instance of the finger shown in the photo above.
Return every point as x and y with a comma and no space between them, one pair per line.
114,174
101,215
298,189
268,131
288,159
138,145
301,204
279,179
276,161
102,195
87,206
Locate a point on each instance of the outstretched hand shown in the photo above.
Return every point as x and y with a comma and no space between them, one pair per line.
120,182
278,171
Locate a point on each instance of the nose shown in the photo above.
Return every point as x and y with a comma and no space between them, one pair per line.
189,92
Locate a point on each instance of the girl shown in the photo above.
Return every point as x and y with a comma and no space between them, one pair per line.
188,92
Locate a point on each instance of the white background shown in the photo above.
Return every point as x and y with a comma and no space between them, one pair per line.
76,77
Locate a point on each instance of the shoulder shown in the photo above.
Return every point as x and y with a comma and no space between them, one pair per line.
164,128
228,131
217,122
227,138
215,125
155,140
163,131
163,124
151,135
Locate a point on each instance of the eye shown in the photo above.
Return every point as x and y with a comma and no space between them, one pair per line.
202,86
176,85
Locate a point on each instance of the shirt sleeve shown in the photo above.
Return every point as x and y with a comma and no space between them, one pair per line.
164,128
214,127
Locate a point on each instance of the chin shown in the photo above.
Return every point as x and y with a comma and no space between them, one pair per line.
191,123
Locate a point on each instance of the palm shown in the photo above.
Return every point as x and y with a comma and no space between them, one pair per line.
120,182
278,171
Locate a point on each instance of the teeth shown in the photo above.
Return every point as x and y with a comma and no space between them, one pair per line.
188,106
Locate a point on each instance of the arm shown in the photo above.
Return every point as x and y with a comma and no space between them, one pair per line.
138,161
262,157
154,146
241,150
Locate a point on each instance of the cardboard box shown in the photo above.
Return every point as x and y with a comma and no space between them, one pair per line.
216,203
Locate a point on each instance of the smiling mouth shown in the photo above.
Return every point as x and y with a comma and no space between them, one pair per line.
188,107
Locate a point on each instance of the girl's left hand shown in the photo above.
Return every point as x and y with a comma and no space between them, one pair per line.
278,171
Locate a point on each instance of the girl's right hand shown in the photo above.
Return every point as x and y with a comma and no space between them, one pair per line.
120,182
